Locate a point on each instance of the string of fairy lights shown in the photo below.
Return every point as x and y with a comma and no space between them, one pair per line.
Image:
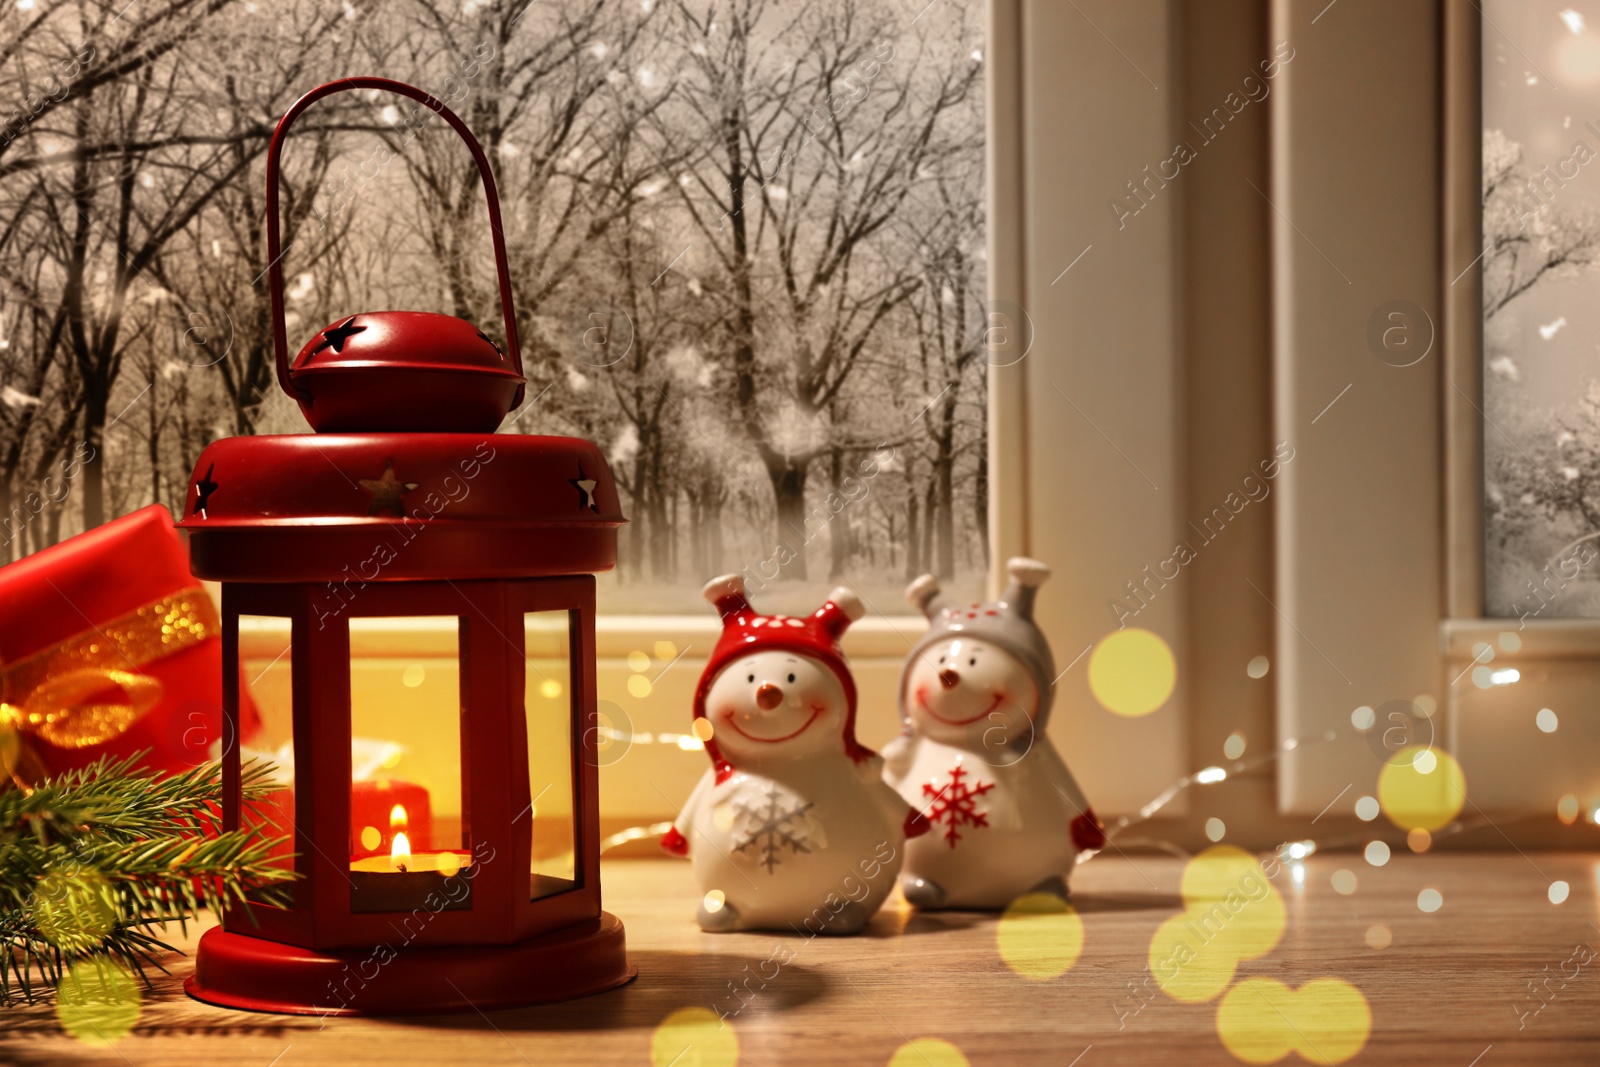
1426,819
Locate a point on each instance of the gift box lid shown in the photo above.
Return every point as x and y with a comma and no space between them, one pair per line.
66,589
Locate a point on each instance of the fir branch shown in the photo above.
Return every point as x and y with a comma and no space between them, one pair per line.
91,859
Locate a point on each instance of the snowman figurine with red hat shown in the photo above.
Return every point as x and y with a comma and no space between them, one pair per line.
1007,816
792,827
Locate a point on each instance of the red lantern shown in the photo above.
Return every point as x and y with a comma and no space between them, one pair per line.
406,503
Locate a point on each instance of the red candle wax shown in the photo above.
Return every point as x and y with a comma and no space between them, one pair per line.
372,805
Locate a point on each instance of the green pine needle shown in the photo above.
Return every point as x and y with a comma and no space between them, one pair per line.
91,859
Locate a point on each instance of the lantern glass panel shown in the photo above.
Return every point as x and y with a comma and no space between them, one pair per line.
267,681
549,704
409,826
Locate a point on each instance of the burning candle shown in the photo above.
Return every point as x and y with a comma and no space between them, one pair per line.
374,808
405,880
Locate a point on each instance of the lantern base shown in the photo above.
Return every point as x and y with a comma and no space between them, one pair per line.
253,974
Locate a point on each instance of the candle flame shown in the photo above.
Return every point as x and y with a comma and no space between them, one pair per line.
397,818
400,852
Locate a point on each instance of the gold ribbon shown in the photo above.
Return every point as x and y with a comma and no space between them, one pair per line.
88,689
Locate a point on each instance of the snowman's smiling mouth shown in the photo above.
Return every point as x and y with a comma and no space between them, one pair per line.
815,712
993,705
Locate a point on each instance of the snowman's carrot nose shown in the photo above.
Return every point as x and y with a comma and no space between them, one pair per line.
769,696
949,678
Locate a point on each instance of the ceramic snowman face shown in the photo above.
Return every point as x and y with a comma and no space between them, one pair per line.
973,694
776,705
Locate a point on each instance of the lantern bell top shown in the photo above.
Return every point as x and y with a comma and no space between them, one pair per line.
386,371
404,370
405,478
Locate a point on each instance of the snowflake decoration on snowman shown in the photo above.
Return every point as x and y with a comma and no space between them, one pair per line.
974,757
792,827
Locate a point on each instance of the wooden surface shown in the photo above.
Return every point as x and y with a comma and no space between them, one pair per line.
1447,990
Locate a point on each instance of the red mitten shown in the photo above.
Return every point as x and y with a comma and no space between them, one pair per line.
1087,832
916,824
675,843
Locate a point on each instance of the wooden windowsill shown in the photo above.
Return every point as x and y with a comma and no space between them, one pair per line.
1442,992
1536,638
876,637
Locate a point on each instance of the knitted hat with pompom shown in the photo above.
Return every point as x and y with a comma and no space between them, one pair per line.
1007,622
745,633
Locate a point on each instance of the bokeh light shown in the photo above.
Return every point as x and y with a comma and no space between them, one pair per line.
1232,912
1377,853
927,1052
550,688
1040,936
97,1001
1261,1020
1216,829
1417,790
1343,881
694,1037
1363,717
1379,937
1546,720
1234,746
74,907
1258,667
1419,840
639,686
1558,892
666,651
1132,672
638,661
1430,900
413,676
10,747
1567,809
1367,809
1578,60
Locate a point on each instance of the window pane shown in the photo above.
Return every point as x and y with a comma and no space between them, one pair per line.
1541,221
764,304
784,388
550,785
267,686
409,833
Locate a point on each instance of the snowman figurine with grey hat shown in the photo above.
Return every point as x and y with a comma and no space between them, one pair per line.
1007,817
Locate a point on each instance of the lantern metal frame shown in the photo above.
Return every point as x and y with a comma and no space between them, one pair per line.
498,794
279,521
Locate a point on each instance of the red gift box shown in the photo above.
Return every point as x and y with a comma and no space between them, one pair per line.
109,646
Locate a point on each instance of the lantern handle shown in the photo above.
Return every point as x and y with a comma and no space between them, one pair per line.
280,343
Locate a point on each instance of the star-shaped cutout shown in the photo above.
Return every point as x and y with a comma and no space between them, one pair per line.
334,337
586,486
495,344
203,490
386,491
